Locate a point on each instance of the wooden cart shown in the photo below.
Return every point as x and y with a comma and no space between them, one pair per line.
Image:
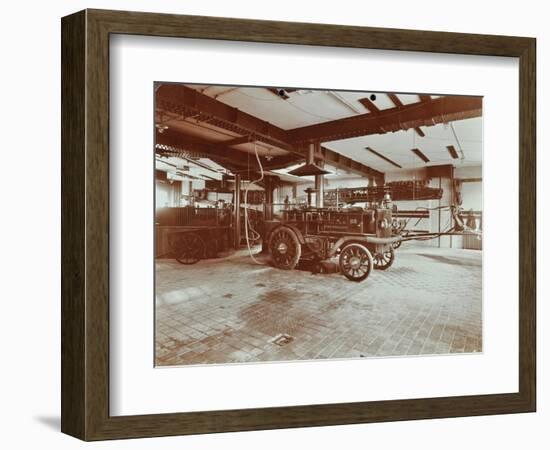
190,234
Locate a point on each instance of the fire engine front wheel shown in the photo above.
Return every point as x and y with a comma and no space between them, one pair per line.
355,262
384,260
285,248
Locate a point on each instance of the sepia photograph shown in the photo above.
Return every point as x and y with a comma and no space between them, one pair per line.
298,224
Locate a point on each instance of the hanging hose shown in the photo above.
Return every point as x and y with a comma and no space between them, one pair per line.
246,221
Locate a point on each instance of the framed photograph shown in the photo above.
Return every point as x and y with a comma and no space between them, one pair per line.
273,225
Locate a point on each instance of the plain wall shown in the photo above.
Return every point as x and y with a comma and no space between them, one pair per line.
30,319
472,197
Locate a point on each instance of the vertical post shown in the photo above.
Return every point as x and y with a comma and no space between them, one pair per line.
320,188
309,191
319,179
237,212
268,207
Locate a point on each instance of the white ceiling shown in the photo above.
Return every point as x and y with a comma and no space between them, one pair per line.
397,146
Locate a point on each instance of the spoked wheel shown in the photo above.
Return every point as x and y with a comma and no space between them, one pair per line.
190,249
285,248
355,262
384,260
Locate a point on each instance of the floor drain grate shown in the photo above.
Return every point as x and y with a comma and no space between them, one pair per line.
282,339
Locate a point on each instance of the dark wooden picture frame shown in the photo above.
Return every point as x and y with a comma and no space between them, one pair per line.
85,224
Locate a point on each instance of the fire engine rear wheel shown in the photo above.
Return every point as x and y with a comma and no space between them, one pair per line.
355,262
190,249
384,260
285,248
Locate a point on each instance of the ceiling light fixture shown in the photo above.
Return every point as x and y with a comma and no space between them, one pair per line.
421,155
452,151
374,152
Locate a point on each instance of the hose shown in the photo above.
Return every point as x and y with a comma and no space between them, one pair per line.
246,221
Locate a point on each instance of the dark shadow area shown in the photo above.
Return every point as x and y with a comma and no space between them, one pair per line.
448,260
52,422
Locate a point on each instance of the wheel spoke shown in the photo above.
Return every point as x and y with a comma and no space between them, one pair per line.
384,260
356,261
284,248
190,248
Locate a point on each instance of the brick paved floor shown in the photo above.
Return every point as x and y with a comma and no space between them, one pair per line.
231,310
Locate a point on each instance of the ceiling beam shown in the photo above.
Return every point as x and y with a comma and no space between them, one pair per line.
421,155
180,99
398,103
179,143
199,147
452,151
349,165
440,110
183,100
239,140
367,103
381,156
395,100
233,159
419,132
